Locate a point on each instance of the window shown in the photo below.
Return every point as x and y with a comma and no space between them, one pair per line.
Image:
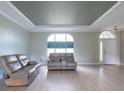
107,34
60,43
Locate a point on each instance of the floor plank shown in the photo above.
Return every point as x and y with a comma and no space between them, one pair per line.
86,78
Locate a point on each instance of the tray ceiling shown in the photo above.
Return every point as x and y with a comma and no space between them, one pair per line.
63,13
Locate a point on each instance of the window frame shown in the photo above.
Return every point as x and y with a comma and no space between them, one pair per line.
66,41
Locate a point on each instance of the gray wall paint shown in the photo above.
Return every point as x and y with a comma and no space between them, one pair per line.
63,12
85,46
13,38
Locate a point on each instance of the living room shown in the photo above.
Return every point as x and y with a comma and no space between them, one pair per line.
35,33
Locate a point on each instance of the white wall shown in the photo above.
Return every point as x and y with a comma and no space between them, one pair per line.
85,46
121,47
38,45
13,38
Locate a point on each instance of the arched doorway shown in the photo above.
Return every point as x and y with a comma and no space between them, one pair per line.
108,48
60,43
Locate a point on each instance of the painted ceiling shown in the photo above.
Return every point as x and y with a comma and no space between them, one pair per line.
63,13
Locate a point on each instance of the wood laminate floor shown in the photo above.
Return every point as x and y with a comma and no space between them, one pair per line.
85,78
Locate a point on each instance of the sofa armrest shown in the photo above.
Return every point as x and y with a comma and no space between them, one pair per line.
18,79
32,62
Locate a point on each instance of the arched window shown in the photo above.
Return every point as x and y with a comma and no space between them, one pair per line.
60,43
107,34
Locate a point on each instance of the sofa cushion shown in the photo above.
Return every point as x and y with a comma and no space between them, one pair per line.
28,67
12,63
22,59
71,64
54,64
14,66
54,57
62,57
69,57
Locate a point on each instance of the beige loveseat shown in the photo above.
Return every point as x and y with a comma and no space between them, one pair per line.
61,61
18,70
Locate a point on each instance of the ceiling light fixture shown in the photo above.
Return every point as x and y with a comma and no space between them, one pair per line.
115,28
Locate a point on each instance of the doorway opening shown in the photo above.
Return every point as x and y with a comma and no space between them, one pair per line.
108,48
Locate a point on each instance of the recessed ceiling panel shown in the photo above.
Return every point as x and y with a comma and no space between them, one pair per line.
58,13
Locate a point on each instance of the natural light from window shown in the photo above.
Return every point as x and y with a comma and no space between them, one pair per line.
107,34
60,43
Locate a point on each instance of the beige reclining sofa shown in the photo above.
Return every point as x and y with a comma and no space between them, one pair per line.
61,61
18,70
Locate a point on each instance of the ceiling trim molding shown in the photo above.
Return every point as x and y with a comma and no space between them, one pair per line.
64,26
10,11
63,29
115,6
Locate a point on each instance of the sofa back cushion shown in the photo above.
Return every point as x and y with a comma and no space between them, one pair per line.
58,57
22,59
54,57
11,63
69,57
62,57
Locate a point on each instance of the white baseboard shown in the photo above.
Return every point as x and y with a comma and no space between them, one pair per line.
121,64
96,63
